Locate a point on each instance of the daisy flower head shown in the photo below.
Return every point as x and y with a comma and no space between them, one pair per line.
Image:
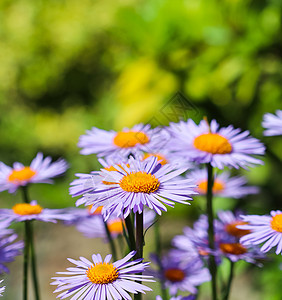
272,123
41,170
9,249
32,211
230,222
265,229
139,184
235,251
101,279
140,138
177,277
2,288
207,143
224,185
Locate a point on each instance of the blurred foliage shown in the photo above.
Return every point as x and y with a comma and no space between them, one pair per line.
70,65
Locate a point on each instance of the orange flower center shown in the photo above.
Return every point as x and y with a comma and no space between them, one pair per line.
276,222
218,186
232,248
212,143
24,174
128,139
139,182
98,210
115,227
174,275
161,159
27,209
102,273
232,229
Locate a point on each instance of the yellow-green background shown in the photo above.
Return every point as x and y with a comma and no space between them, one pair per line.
68,65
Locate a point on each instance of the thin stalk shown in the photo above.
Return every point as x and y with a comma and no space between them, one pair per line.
212,263
231,275
30,245
139,244
159,255
25,194
130,231
25,261
33,263
125,235
110,239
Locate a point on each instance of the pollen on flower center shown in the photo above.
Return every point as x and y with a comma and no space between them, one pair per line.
276,223
212,143
27,209
232,248
218,186
161,159
23,174
102,273
232,229
128,139
139,182
174,275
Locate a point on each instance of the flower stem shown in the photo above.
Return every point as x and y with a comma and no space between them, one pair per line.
130,231
212,264
231,274
33,263
29,245
110,239
26,261
25,194
139,244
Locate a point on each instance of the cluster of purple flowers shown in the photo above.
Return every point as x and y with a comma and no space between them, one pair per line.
141,173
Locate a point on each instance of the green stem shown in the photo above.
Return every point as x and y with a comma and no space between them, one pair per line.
159,255
30,245
110,239
231,275
25,194
139,244
33,263
26,261
130,231
212,263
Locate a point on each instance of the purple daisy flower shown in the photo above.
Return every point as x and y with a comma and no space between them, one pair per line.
138,184
264,229
8,250
185,278
237,251
220,147
272,123
101,279
33,211
141,138
230,221
2,288
224,185
41,170
194,243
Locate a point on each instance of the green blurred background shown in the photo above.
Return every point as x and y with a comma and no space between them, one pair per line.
69,65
